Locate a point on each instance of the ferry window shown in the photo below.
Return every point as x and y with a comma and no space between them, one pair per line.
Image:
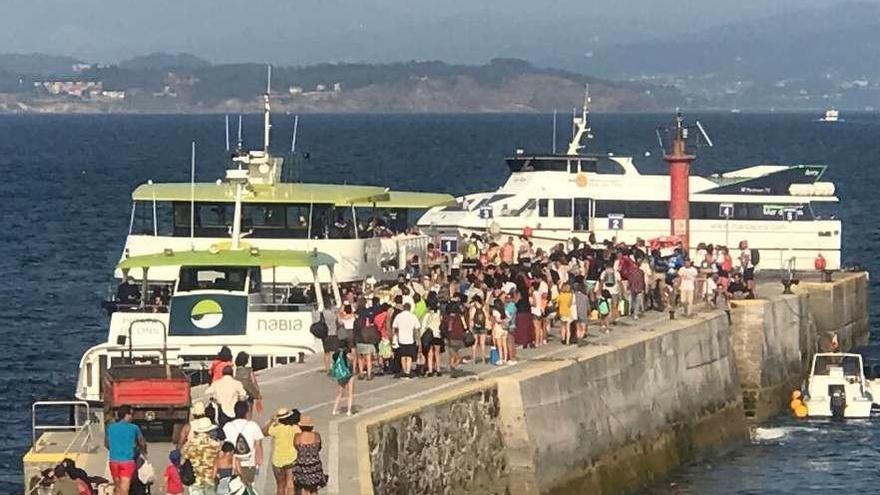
543,207
528,206
298,220
552,164
212,278
741,211
573,166
214,214
263,216
562,208
589,166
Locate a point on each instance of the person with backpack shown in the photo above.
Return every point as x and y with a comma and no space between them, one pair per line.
604,307
173,483
341,371
200,453
477,321
748,260
247,437
609,282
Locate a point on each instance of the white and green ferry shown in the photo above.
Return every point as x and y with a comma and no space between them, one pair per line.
245,261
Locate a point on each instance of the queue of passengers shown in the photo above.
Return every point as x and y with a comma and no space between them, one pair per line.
493,299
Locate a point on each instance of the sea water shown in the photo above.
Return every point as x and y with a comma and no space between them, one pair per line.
66,183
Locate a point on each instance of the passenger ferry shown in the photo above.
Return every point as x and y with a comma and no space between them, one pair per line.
781,210
244,262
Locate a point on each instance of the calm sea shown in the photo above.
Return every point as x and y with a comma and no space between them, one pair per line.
66,183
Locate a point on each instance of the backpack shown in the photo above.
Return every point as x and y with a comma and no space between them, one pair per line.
242,447
604,307
755,256
187,474
340,370
480,317
609,279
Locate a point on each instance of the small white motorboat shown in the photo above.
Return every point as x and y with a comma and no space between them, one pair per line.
837,387
831,115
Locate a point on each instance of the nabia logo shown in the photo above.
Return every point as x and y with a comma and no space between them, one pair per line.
206,314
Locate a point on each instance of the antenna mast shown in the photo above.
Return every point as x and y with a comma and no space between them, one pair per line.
580,126
266,110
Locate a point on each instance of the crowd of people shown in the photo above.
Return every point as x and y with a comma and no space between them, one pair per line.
483,305
493,299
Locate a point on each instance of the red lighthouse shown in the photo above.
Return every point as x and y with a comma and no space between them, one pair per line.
679,183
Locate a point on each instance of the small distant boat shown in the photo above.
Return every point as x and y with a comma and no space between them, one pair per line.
831,115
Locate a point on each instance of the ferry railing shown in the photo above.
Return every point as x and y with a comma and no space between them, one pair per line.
77,426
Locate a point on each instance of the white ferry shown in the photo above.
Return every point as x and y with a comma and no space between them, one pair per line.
244,262
781,210
831,115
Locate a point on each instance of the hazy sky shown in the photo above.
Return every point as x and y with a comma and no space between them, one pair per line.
308,31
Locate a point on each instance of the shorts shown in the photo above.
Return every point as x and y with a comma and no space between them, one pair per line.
455,345
437,341
366,349
500,335
248,474
536,312
479,330
122,469
749,274
330,343
408,350
583,319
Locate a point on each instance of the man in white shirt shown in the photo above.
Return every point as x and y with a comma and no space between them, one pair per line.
406,328
688,280
226,391
247,437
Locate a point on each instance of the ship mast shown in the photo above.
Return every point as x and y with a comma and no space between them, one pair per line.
267,125
582,126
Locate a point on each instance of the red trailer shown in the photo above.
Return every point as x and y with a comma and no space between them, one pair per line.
158,395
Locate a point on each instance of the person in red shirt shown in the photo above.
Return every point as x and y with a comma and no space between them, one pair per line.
173,484
223,359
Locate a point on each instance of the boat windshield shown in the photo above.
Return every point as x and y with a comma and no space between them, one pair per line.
212,278
849,364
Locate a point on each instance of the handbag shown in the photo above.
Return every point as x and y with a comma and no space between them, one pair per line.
319,328
427,338
469,339
385,351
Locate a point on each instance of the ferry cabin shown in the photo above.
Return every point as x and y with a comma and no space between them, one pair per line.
220,297
367,229
782,210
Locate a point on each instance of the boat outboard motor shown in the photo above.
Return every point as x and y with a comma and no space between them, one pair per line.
838,401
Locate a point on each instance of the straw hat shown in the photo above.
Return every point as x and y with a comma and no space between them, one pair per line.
203,425
306,421
283,413
198,408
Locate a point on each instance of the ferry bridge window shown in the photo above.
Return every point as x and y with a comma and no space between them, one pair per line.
608,167
562,208
543,207
298,221
212,278
259,216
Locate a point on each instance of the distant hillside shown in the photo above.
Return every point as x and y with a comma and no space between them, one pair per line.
183,83
164,61
839,41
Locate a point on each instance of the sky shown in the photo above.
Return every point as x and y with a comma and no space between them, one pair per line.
311,31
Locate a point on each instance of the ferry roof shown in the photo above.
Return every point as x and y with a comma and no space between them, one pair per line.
241,257
347,195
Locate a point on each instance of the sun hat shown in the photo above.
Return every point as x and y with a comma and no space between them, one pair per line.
198,408
283,413
203,425
306,421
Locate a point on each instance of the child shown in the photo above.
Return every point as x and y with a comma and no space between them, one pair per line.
224,468
173,485
604,308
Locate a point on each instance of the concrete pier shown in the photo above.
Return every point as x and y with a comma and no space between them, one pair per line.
612,415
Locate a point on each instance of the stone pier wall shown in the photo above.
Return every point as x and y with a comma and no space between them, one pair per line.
774,339
612,418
